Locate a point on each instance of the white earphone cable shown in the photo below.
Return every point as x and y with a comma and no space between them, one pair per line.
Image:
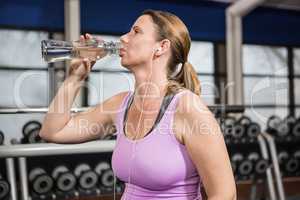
137,134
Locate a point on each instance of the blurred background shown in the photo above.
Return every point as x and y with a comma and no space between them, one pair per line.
269,66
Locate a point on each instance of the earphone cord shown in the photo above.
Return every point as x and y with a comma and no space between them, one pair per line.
137,135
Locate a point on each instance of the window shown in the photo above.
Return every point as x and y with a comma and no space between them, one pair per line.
23,88
21,50
202,58
264,60
296,63
103,85
266,91
23,78
209,90
266,84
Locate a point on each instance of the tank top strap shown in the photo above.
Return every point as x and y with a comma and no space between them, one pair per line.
173,105
167,121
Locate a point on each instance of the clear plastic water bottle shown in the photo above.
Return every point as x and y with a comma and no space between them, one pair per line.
56,50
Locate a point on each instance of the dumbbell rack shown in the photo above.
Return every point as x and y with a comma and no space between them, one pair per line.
268,151
272,173
22,151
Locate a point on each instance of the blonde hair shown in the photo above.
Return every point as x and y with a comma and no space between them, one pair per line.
181,74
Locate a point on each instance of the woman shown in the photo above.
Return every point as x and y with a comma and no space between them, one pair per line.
168,142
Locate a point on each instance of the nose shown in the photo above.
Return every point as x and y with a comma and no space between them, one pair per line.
124,38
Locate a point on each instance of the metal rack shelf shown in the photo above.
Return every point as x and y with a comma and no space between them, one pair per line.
214,108
21,151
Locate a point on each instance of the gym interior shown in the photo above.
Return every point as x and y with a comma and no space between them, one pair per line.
247,57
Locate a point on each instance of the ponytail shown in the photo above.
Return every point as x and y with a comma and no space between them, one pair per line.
185,78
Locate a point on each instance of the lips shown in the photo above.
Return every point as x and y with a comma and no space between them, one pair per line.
122,51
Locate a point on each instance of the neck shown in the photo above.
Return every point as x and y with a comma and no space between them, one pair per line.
150,83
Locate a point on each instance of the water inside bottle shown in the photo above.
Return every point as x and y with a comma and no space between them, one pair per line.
76,50
93,53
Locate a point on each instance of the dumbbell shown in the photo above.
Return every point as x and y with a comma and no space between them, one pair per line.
86,178
236,160
4,188
252,129
40,181
260,165
297,157
107,179
1,138
292,165
296,129
289,122
31,132
289,164
105,173
227,127
14,141
277,127
244,165
233,130
65,180
239,129
273,124
33,136
28,126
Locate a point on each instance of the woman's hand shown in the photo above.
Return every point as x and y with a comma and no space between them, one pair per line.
81,67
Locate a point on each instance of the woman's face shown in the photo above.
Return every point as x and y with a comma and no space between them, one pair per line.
139,43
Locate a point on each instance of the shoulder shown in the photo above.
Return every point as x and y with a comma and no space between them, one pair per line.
118,98
191,114
190,103
195,115
115,101
194,112
112,105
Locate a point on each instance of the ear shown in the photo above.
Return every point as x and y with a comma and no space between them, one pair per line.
163,47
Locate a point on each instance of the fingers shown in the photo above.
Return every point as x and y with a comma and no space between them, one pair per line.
81,39
76,61
88,36
79,61
87,64
85,37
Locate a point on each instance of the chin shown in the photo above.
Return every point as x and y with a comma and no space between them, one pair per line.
124,63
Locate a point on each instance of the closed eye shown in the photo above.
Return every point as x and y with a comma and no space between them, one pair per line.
136,29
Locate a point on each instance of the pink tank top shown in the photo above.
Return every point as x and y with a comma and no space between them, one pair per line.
156,166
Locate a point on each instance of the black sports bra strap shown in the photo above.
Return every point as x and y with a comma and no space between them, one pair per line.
166,101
